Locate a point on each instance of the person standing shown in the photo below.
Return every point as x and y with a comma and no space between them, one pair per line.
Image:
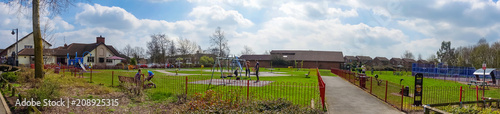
257,71
247,68
137,77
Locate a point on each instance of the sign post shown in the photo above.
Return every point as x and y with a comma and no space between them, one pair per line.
484,77
417,99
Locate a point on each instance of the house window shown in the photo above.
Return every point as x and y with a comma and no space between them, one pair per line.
90,59
109,60
101,60
28,46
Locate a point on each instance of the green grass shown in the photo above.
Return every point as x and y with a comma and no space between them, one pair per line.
293,86
434,91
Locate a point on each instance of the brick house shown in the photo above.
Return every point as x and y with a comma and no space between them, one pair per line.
311,59
380,61
396,61
350,59
98,54
365,60
408,62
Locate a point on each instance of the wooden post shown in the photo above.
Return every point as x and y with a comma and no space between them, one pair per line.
112,77
248,89
186,85
371,84
402,96
90,75
386,91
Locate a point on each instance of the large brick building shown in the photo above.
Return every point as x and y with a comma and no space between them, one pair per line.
310,59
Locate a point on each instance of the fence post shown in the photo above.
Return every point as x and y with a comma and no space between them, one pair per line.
248,89
186,85
112,77
402,96
90,75
371,84
386,91
477,94
461,96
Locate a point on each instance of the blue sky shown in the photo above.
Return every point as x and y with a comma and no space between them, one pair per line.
356,27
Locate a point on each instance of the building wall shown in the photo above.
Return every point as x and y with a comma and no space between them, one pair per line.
28,41
100,52
27,60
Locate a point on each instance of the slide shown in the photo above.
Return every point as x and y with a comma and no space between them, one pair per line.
83,67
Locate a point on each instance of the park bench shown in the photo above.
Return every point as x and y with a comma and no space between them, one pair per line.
478,83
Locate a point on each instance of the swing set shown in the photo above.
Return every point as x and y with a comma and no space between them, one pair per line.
232,65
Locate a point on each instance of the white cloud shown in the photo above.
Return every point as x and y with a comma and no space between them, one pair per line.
314,10
104,16
258,4
218,16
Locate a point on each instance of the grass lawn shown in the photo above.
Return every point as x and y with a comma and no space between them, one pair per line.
434,91
293,86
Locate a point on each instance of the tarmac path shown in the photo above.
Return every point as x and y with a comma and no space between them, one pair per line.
345,98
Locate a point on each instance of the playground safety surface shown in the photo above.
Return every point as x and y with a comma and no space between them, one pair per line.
233,82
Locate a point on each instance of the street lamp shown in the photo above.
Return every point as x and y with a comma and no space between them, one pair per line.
17,34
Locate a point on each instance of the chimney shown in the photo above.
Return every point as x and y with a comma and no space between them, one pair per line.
100,39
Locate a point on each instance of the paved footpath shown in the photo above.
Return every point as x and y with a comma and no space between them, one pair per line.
345,98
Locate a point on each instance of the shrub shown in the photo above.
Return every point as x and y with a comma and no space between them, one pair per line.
10,76
48,89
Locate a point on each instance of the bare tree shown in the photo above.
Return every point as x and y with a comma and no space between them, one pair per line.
247,51
219,43
157,48
186,46
172,50
408,55
433,59
419,56
127,50
138,52
54,6
48,32
266,52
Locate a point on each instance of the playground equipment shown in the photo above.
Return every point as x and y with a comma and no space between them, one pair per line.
77,62
231,64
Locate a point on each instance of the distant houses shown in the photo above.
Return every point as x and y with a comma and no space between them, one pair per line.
381,62
98,54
